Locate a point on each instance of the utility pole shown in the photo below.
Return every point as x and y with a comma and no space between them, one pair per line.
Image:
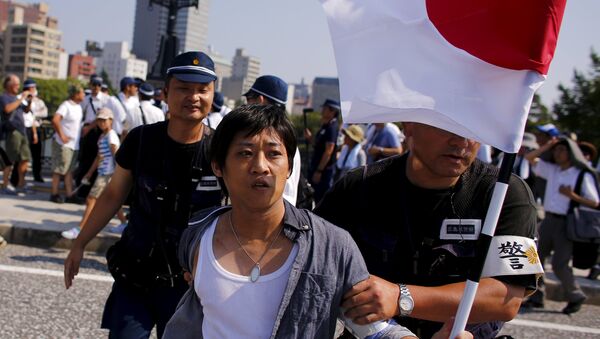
169,43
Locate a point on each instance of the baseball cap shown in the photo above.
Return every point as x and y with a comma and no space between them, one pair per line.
96,80
549,129
218,101
147,89
332,103
126,81
105,113
271,87
29,83
193,66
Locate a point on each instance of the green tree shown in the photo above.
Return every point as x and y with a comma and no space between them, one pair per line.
106,80
539,114
578,109
54,92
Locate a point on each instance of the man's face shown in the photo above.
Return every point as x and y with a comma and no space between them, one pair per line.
327,113
560,153
131,90
79,96
256,169
437,157
189,100
95,88
13,85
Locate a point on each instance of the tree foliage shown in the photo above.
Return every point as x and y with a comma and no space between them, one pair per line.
578,109
54,92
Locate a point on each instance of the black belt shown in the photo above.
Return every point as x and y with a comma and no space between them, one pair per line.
558,216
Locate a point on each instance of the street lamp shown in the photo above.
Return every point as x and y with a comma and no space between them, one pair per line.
169,43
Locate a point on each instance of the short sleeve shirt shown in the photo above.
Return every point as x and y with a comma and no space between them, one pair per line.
326,135
70,124
107,164
15,118
386,138
554,201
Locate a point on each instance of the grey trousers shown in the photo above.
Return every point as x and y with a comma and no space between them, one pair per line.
553,236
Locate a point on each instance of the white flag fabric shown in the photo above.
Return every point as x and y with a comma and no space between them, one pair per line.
461,72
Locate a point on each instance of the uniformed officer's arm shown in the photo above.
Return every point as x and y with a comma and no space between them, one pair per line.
376,299
329,148
106,207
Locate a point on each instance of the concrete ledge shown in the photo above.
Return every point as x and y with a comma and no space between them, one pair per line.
48,239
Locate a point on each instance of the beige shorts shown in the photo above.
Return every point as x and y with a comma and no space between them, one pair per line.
99,185
17,147
63,159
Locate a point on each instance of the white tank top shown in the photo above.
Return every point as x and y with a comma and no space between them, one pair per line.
233,306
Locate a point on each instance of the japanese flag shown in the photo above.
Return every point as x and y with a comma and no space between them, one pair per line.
467,66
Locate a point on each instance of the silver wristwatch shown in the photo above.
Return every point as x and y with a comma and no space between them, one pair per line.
405,301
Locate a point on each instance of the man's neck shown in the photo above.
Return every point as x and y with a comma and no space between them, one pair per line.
185,132
419,175
257,224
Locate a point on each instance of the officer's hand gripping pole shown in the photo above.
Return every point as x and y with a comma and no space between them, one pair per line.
483,244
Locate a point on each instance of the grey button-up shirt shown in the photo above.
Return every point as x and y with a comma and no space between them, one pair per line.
327,265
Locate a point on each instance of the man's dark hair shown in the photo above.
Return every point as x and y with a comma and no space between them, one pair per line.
251,120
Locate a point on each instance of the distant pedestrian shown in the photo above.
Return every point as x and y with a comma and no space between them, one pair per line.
108,143
159,101
145,112
272,90
562,164
320,173
13,108
382,142
352,154
67,132
38,112
214,117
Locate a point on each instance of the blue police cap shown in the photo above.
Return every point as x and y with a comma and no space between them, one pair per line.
218,101
147,89
271,87
193,67
126,81
549,129
96,80
29,83
332,103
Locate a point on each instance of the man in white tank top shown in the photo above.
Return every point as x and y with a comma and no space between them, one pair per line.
262,268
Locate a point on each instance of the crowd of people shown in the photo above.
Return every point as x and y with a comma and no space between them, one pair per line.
214,224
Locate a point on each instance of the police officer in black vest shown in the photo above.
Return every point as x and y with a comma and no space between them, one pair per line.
416,219
167,168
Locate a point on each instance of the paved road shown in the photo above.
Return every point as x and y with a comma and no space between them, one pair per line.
35,303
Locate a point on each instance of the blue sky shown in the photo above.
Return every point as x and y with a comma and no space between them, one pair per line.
291,38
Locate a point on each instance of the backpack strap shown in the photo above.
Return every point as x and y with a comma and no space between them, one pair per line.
573,204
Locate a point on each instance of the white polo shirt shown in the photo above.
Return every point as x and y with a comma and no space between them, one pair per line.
554,201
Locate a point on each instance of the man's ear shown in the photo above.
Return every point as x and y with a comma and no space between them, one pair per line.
216,169
408,128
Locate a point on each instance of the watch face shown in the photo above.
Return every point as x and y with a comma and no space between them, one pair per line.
406,304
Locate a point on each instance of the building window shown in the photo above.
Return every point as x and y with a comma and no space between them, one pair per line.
37,42
16,40
37,32
36,61
19,30
36,51
34,70
17,58
17,50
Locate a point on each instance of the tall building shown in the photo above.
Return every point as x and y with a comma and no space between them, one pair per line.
223,67
243,74
118,62
191,28
31,49
81,66
322,89
32,13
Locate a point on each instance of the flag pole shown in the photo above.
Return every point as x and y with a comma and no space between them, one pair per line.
483,244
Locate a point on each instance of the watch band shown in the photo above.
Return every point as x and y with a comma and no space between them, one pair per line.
405,301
